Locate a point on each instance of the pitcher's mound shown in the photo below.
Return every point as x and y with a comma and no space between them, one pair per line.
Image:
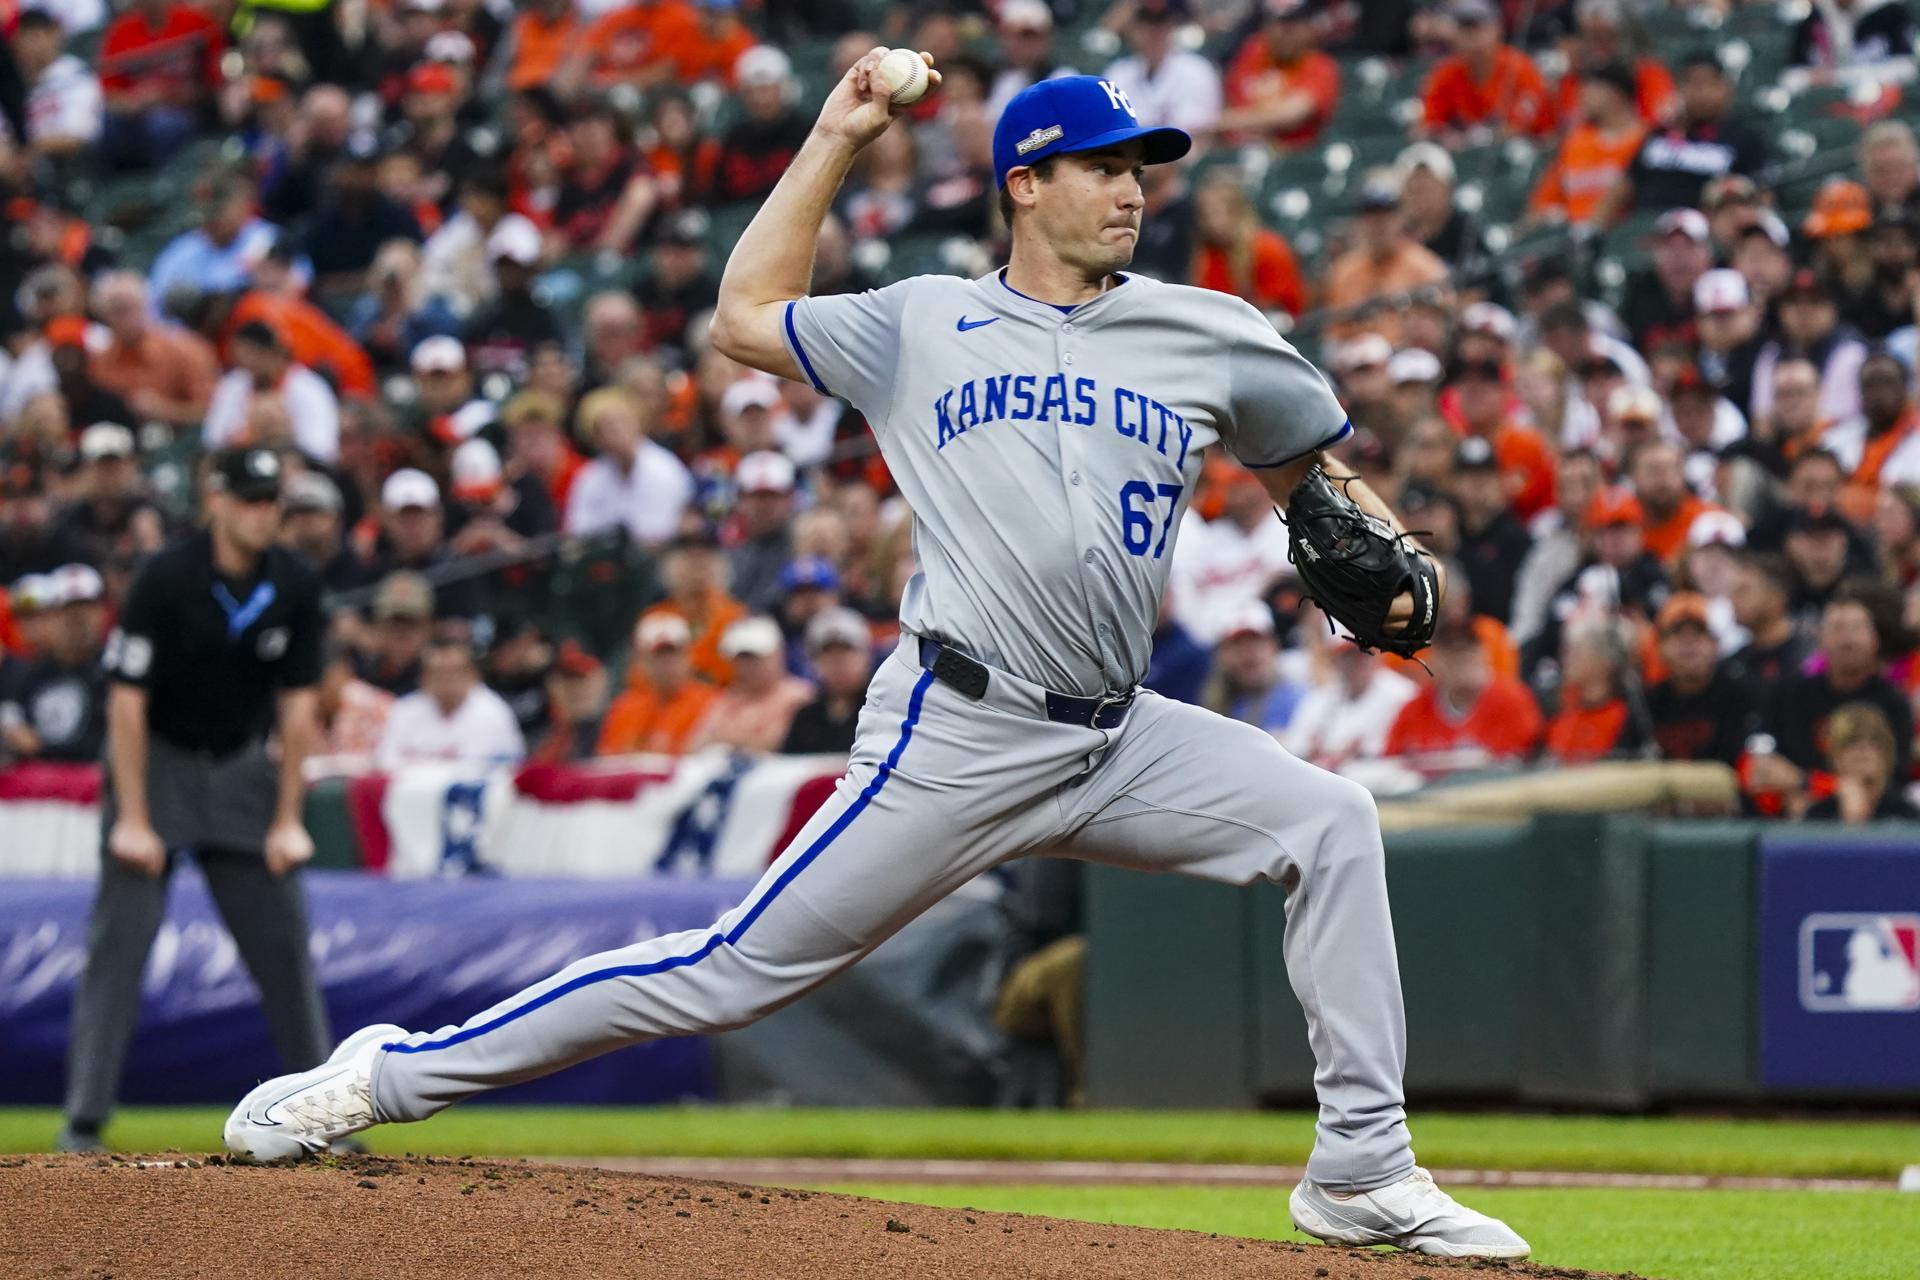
174,1215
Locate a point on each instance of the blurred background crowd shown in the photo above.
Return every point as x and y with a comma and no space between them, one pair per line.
1621,299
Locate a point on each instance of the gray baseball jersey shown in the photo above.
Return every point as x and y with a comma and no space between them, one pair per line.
1048,455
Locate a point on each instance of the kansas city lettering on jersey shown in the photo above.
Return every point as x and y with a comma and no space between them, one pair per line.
1030,397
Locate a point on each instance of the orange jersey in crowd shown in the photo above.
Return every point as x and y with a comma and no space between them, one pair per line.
1503,723
1255,79
1356,277
1581,734
540,46
1512,96
1496,646
700,54
315,340
1654,92
1527,465
1668,538
641,720
718,612
1588,165
1276,273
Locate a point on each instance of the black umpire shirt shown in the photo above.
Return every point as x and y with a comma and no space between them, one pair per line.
213,653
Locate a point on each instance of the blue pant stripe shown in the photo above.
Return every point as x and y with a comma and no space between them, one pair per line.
714,941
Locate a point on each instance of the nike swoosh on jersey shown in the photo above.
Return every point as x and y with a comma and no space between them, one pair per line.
964,324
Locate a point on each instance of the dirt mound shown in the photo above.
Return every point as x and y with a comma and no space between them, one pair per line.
174,1215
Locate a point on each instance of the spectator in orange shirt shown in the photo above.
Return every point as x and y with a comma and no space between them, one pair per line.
159,67
1526,462
633,44
1595,153
164,372
1234,254
541,37
1279,83
664,702
756,710
1383,267
709,47
1595,719
1487,87
1601,36
695,576
1466,708
1656,470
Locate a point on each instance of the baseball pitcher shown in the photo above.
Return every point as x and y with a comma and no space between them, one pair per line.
1046,423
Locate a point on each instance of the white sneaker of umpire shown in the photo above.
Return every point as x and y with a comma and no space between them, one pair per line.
1410,1214
292,1117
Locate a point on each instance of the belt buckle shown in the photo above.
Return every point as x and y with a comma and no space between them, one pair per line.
1106,700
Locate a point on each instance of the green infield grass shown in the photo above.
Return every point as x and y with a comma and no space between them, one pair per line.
1672,1235
1876,1148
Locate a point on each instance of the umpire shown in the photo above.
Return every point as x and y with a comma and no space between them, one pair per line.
218,631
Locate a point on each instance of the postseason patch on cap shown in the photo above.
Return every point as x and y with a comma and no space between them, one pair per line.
1039,138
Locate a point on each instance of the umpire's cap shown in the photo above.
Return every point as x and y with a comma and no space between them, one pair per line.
1075,113
251,475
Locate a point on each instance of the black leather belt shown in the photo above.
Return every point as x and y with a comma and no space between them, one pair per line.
969,676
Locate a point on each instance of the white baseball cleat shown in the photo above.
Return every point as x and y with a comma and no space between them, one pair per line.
293,1117
1410,1214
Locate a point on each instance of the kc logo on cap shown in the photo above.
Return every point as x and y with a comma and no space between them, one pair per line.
1075,113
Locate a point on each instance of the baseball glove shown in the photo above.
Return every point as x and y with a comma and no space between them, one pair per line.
1354,566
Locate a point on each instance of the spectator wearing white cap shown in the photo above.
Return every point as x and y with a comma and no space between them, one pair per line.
1346,716
109,515
1249,683
487,513
1426,174
264,366
763,142
501,335
1730,337
54,706
313,526
764,482
1167,84
664,701
754,712
840,652
445,411
411,536
1359,368
633,483
1026,52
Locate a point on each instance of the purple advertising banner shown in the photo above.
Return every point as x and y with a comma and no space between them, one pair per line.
1839,963
424,954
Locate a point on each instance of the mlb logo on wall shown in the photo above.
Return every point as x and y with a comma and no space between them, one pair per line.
1859,963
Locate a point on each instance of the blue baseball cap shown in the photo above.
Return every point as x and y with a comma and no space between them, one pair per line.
809,572
1075,113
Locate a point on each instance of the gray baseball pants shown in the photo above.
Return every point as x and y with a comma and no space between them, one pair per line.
939,789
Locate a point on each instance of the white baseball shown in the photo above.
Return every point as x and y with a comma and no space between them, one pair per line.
903,73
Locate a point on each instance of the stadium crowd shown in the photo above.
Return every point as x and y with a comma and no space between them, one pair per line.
454,259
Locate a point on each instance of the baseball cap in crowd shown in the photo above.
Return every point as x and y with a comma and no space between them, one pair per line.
1805,283
752,392
454,47
763,64
809,573
1430,156
1075,113
1690,223
31,593
662,631
1614,507
1634,404
1716,529
1364,351
1379,192
1475,454
430,77
532,406
752,637
311,491
476,472
403,596
438,354
516,239
1248,618
1415,364
1841,208
260,334
765,472
409,487
1026,15
105,440
1469,13
1491,319
688,229
1719,290
1616,74
251,475
77,584
572,659
838,626
1683,609
1689,381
